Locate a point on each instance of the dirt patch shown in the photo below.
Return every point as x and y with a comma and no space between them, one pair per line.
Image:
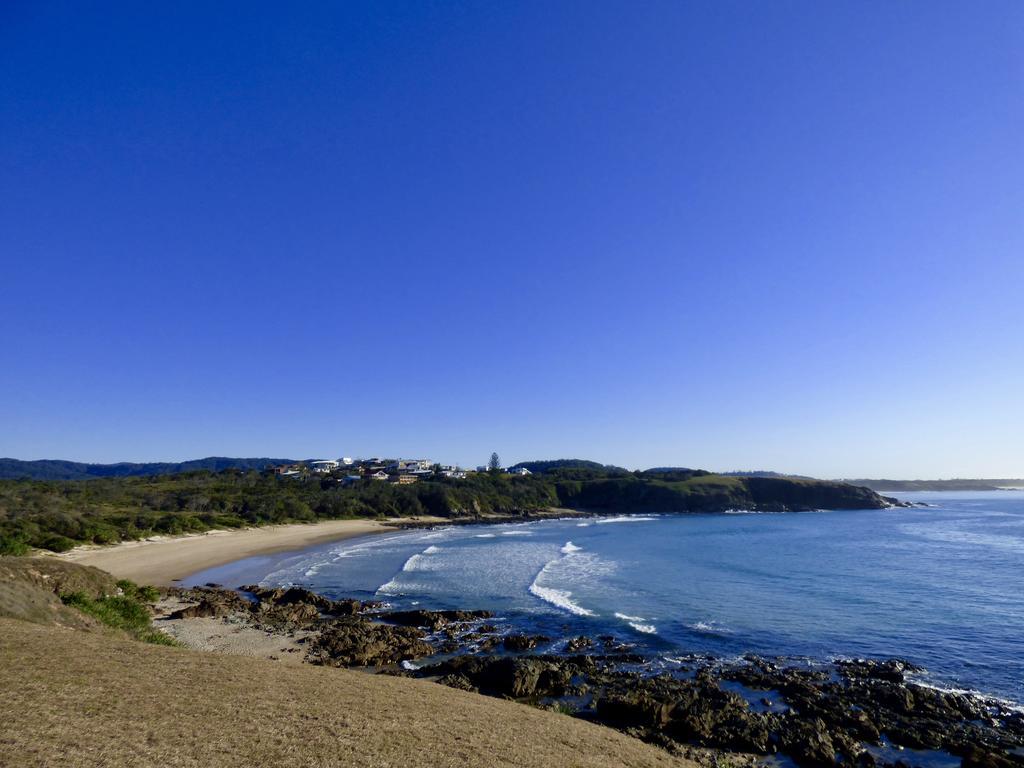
232,635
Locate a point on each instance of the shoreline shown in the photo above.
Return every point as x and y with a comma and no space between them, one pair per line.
167,560
164,561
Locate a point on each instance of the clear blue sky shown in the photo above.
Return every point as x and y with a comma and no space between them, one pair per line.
756,235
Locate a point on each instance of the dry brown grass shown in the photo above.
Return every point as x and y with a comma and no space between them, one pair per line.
29,587
72,698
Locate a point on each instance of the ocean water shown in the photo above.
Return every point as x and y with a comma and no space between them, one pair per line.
939,585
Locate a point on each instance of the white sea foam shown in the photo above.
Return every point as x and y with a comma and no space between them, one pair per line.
582,525
639,623
569,548
517,533
953,534
625,519
412,563
1009,704
484,536
421,561
709,628
560,598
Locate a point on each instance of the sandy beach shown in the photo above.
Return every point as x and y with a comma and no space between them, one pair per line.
163,560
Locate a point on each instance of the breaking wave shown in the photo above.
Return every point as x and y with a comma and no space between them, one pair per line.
709,628
639,623
560,598
421,561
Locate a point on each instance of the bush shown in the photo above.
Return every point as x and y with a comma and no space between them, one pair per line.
10,545
124,612
145,594
56,543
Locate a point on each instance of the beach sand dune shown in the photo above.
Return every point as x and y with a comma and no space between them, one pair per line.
163,560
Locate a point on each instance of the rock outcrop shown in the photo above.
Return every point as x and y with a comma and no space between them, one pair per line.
362,643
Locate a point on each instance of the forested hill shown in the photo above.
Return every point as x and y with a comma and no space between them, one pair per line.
58,514
56,469
552,465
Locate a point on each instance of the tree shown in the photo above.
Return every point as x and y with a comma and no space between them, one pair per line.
495,463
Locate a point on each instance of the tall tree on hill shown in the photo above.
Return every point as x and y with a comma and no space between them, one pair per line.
495,463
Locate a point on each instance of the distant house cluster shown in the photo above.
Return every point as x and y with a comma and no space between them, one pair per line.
348,471
398,471
508,471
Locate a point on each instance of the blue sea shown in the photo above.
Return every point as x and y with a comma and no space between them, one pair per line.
941,585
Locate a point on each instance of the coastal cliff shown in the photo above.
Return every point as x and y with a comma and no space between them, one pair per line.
694,491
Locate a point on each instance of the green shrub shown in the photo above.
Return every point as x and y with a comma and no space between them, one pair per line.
10,545
56,543
101,533
125,612
144,594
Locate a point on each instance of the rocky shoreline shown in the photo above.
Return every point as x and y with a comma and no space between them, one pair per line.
862,713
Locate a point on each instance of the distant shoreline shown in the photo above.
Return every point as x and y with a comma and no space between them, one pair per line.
932,486
163,561
167,560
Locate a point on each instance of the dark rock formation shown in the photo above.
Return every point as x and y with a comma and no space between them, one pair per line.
361,643
210,603
435,620
577,644
284,596
892,670
520,643
513,677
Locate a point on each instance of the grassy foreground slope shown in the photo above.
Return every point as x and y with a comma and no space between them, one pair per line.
75,698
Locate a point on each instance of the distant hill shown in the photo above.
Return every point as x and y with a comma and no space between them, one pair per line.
548,465
962,484
56,469
764,473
